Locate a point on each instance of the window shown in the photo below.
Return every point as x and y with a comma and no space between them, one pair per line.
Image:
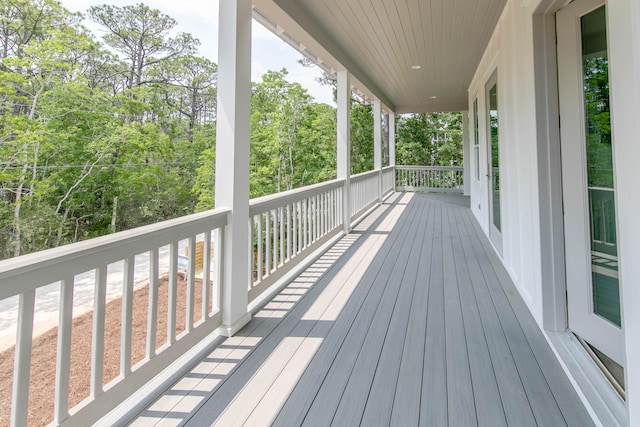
476,140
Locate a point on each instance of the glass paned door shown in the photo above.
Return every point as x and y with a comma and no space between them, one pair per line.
495,156
476,140
493,150
591,255
599,159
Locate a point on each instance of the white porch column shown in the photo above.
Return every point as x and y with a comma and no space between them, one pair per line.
344,144
392,145
466,154
377,144
232,157
392,139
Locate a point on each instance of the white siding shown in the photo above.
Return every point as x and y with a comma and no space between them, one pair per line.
624,55
511,52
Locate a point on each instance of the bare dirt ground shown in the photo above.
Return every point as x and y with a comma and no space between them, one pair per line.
43,362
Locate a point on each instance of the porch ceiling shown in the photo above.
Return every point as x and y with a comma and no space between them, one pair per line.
379,41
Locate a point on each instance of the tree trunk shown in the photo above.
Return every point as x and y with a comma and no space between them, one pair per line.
17,231
114,215
61,226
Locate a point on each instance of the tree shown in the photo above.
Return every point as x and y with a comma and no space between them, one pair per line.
143,36
190,89
361,137
430,139
43,46
286,125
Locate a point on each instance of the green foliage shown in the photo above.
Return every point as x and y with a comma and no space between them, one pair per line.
598,122
97,138
429,139
292,138
361,137
89,143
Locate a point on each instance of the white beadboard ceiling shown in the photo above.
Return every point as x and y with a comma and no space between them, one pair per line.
378,41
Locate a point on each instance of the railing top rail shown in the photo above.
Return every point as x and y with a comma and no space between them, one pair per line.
265,203
387,168
28,272
364,175
445,168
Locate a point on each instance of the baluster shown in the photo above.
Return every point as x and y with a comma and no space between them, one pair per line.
274,248
22,359
206,273
289,242
318,217
313,210
296,227
253,250
173,293
281,218
97,344
307,218
191,283
332,210
322,214
218,265
152,318
260,260
63,364
267,254
127,314
304,223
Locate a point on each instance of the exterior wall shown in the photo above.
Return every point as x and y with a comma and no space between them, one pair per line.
510,52
524,99
624,55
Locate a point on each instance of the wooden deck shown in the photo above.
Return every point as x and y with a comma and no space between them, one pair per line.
410,320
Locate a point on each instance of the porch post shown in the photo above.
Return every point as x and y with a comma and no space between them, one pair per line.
466,157
377,144
392,145
343,154
232,158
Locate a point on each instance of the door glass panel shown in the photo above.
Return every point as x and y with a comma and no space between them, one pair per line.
604,253
495,170
476,139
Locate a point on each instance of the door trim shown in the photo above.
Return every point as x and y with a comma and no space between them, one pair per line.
582,319
495,234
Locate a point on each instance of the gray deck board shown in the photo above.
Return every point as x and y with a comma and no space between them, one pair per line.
488,405
373,385
356,360
410,320
406,404
460,398
380,400
563,392
512,393
434,408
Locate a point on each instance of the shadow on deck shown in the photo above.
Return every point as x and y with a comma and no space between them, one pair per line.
409,320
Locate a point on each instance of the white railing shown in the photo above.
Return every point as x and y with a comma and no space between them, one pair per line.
163,282
437,179
140,267
388,179
364,192
286,225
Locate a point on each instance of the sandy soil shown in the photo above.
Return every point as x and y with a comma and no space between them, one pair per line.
43,363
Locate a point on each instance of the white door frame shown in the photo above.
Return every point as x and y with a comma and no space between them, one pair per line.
582,320
495,234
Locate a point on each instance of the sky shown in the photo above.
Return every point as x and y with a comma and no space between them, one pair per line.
200,18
